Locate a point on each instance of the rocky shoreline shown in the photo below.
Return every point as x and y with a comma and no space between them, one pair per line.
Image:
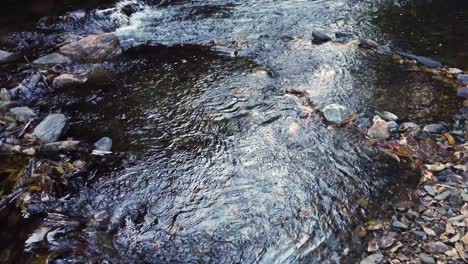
432,228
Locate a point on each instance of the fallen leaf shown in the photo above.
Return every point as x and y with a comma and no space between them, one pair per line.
374,227
35,188
428,231
395,248
450,139
461,251
60,170
464,239
30,151
363,202
449,229
461,167
455,238
435,167
373,245
452,253
387,240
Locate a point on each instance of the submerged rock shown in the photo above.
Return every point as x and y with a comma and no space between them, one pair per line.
53,58
428,62
379,129
51,128
320,37
435,129
94,48
23,114
66,79
336,113
368,43
104,144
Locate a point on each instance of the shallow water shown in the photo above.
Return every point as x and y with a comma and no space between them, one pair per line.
222,166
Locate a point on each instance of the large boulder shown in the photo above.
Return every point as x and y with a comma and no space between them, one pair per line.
94,48
337,114
51,128
53,58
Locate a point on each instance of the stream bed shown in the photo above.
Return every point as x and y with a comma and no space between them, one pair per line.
219,164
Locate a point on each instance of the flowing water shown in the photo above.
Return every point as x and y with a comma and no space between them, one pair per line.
221,165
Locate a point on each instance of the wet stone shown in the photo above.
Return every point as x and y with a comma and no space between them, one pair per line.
51,128
387,116
53,58
412,215
368,44
94,48
336,113
398,224
373,259
438,247
442,196
429,190
104,144
435,129
320,37
426,259
22,114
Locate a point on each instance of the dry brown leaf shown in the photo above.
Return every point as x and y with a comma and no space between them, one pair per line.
373,245
461,251
395,248
464,239
435,167
455,238
428,231
452,253
449,229
374,227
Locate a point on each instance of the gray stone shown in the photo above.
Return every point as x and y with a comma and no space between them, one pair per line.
368,44
337,114
426,259
27,87
343,37
399,225
66,79
104,144
420,234
373,259
438,247
94,48
387,116
4,56
379,129
23,114
385,50
463,92
53,58
5,95
463,78
428,62
429,190
392,126
409,127
435,128
320,37
51,128
412,215
443,196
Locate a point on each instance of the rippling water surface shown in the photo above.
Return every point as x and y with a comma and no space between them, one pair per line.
222,167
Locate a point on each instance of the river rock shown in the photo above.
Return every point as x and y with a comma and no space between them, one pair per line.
344,37
66,79
438,247
429,190
336,113
23,114
387,116
4,56
385,50
379,129
320,37
410,127
368,43
5,95
443,196
51,128
27,87
130,9
373,259
104,144
463,92
53,58
392,126
426,259
463,78
93,48
399,225
428,62
435,129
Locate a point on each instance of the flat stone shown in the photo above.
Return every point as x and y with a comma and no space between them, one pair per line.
104,144
66,79
463,78
373,259
429,190
320,37
23,114
53,58
435,129
443,196
336,113
379,129
426,259
51,128
368,44
463,92
438,247
5,95
398,224
94,48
